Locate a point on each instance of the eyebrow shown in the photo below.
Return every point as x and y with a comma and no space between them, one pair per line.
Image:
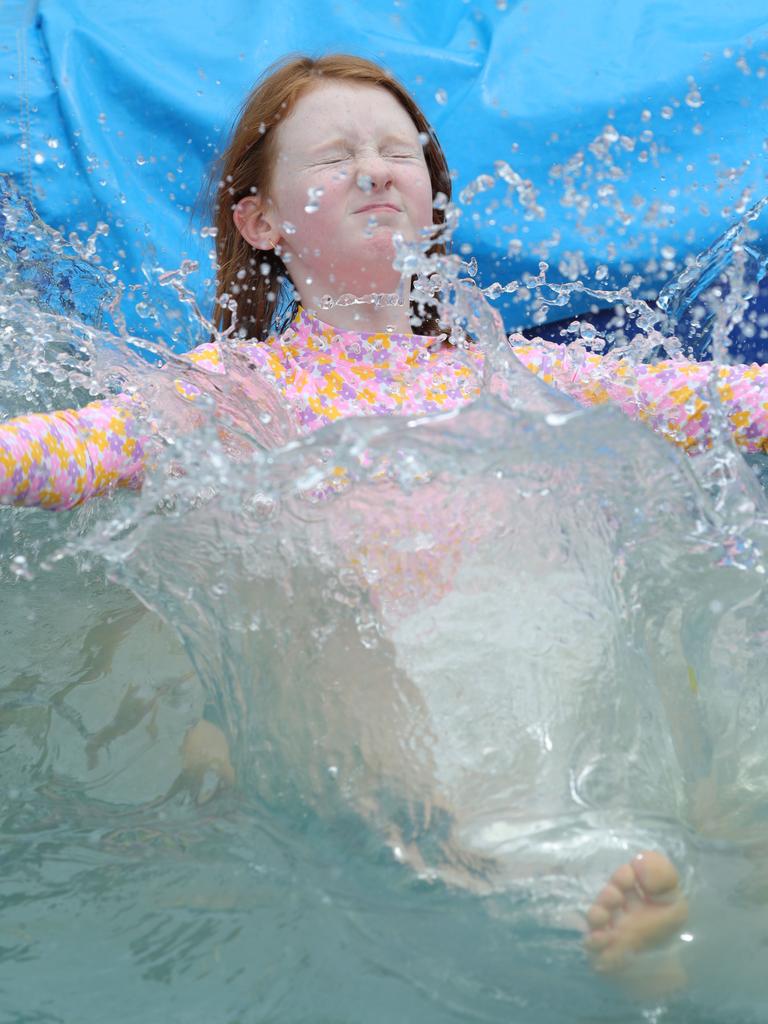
337,143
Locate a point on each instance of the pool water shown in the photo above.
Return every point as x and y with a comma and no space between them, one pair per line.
465,667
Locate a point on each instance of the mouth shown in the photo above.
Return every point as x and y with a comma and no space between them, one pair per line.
379,208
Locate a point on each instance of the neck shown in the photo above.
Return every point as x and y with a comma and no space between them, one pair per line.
363,317
366,316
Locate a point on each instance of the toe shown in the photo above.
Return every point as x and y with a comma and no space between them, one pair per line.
655,874
598,940
598,916
611,960
624,878
611,897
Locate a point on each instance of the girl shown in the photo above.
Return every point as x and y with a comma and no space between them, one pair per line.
329,160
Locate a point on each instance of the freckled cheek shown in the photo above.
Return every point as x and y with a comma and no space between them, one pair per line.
417,190
313,227
322,228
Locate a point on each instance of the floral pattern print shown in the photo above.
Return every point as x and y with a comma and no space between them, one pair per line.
61,459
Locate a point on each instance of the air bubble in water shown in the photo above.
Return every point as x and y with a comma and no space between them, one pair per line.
20,567
441,96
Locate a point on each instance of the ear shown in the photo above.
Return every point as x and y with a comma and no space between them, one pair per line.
252,217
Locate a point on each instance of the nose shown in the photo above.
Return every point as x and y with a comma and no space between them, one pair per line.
373,173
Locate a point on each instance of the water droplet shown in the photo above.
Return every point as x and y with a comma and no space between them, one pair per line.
481,183
208,231
646,116
364,182
141,160
53,143
313,200
667,113
667,252
423,138
693,99
101,117
288,228
39,158
441,96
602,272
264,269
265,418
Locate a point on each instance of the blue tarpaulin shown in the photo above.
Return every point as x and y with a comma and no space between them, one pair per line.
619,136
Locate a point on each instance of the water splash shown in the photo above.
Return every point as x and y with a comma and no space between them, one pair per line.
474,635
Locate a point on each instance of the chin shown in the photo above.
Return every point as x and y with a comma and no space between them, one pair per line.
379,254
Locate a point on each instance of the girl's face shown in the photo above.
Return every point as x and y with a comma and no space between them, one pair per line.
350,172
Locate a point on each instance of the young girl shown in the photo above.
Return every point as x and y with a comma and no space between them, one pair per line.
331,158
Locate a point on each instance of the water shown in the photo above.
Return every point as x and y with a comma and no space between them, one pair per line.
465,665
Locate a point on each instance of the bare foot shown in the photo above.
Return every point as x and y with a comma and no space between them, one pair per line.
206,764
641,906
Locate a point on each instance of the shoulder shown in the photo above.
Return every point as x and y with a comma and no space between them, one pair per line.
207,357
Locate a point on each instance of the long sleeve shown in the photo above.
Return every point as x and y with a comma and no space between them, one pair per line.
672,396
58,460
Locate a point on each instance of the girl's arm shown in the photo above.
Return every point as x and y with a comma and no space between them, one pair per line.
58,460
672,396
61,459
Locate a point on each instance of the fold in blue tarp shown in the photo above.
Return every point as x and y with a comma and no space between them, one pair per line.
640,127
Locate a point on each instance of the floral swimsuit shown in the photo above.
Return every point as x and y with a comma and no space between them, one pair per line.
58,460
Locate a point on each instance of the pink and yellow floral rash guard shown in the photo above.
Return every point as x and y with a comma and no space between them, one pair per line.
58,460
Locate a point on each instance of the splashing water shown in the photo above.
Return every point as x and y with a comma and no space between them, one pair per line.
462,665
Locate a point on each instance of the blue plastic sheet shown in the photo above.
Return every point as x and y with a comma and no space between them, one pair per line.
639,128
